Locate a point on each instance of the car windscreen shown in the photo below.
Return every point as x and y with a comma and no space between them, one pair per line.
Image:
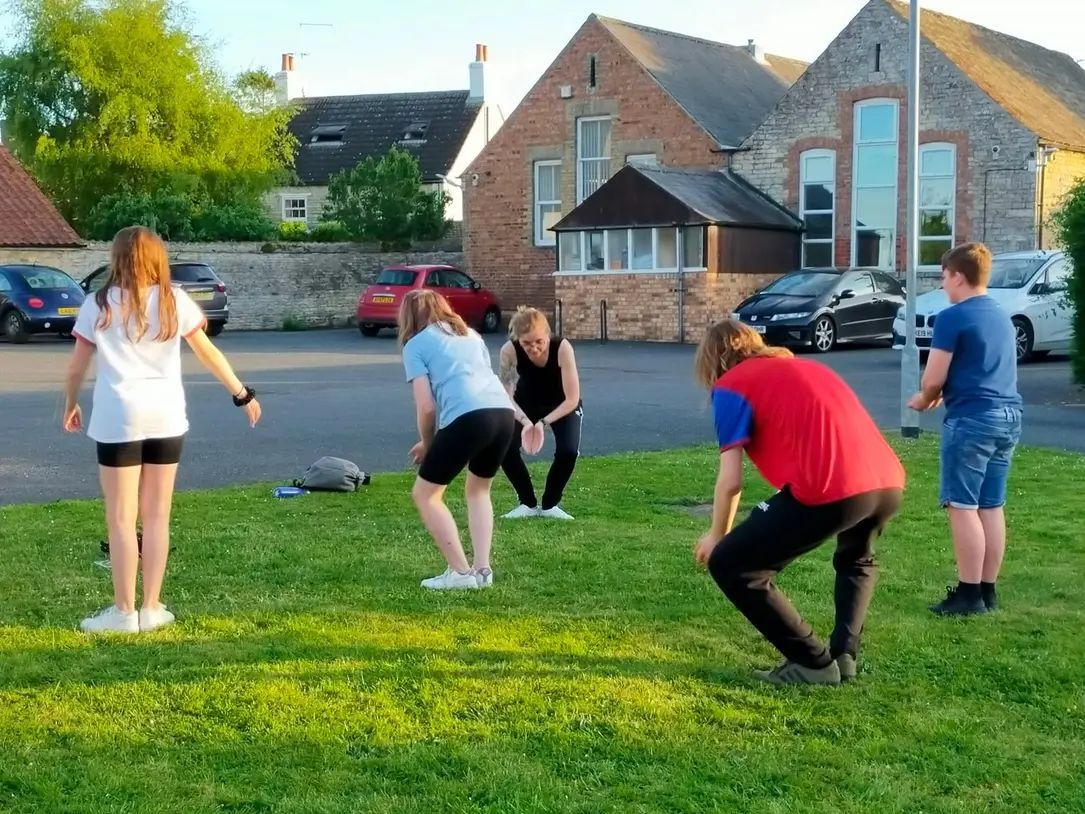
43,277
1012,272
396,277
192,273
802,285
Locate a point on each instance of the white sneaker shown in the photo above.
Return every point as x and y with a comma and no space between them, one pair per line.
484,577
521,512
111,620
154,618
451,581
555,513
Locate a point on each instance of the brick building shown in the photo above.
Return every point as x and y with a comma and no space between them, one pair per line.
617,94
1002,136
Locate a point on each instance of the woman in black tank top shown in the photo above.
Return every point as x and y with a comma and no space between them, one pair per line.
539,372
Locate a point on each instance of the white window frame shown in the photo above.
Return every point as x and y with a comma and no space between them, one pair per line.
580,160
283,208
803,211
544,237
951,209
582,235
856,143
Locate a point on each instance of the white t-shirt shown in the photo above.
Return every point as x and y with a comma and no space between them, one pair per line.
138,392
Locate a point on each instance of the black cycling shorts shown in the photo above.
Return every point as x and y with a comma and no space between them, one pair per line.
159,451
478,440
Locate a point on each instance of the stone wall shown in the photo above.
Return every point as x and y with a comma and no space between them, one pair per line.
995,195
315,284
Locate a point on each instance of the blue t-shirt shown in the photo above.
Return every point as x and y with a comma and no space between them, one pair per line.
983,372
461,375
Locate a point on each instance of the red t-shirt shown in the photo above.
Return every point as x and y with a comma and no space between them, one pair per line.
804,428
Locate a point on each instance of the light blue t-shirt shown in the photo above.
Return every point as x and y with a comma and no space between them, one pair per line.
461,375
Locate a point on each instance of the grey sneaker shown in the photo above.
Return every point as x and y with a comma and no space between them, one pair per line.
849,668
788,672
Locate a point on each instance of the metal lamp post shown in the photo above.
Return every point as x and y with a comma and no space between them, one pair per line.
909,358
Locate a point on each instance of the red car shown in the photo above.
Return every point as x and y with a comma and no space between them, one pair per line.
378,307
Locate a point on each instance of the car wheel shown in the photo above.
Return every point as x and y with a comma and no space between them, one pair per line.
215,328
491,321
15,328
369,330
1023,338
823,336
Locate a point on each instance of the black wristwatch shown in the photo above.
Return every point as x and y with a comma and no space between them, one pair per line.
249,395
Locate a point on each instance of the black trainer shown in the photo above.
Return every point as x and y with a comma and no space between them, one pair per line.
957,603
990,598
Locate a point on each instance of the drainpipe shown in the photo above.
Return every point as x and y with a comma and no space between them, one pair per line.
681,285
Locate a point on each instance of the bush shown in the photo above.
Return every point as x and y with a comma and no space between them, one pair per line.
293,323
166,212
329,231
293,230
1069,222
180,214
233,221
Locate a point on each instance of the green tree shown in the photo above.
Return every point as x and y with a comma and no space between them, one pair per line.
118,97
382,200
1069,222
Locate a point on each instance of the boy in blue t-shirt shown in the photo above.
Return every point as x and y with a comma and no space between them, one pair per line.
973,368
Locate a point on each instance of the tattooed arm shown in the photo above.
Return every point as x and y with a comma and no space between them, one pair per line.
507,374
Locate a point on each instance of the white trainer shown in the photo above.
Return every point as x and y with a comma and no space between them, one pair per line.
111,620
484,577
555,513
154,618
521,512
451,581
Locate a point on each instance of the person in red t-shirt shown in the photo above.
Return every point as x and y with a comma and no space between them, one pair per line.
806,432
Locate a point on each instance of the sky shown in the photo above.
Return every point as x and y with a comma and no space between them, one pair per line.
377,46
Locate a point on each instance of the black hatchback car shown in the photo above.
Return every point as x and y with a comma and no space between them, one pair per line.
37,300
818,308
197,279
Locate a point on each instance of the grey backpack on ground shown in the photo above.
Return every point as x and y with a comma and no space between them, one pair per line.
333,475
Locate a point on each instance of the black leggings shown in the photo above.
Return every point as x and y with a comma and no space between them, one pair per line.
566,451
782,529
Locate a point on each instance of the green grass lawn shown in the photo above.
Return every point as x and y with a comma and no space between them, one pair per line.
603,672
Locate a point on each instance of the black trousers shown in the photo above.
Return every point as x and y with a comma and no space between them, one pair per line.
782,529
566,450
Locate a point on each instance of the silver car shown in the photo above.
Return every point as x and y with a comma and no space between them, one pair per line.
1032,286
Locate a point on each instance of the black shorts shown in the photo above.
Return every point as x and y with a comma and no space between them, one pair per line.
159,451
478,440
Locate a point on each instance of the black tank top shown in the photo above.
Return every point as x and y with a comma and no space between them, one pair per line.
539,389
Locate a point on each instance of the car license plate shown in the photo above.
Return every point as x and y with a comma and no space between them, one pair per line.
759,328
67,312
202,296
924,333
384,299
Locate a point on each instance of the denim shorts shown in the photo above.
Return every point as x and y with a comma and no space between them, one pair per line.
976,454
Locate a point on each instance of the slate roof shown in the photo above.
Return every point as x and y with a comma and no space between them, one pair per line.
336,132
659,196
28,219
1041,88
722,87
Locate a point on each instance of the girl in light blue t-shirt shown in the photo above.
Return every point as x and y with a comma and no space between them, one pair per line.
465,419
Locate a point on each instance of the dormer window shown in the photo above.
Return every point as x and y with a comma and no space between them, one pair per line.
415,132
328,134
